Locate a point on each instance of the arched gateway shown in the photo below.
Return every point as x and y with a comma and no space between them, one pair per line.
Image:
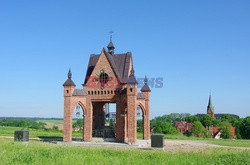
109,79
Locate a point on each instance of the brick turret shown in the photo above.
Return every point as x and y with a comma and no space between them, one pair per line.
69,87
131,107
146,93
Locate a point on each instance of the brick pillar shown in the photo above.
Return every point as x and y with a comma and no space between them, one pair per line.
67,125
146,117
120,123
131,114
88,120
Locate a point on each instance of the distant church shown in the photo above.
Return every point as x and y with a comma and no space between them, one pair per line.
211,111
184,126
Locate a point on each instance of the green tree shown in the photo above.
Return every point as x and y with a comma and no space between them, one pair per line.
230,119
245,128
139,126
216,122
197,129
172,118
207,120
78,124
158,130
164,127
225,127
169,129
192,119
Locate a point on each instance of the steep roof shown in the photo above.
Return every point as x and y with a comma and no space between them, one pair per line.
110,45
69,82
131,78
145,87
119,63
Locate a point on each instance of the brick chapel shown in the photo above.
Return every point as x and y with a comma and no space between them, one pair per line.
110,78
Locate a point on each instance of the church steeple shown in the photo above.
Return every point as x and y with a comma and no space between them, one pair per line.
210,107
111,46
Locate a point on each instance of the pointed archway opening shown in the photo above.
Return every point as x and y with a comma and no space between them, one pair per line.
78,123
140,122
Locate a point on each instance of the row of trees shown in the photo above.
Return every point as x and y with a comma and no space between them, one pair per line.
22,123
165,124
242,125
26,124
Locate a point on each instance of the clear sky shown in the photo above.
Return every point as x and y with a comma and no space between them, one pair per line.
197,46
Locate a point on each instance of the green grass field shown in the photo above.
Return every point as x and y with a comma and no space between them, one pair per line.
35,133
36,152
52,121
175,137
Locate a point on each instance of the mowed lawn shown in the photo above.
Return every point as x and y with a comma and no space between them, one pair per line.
36,152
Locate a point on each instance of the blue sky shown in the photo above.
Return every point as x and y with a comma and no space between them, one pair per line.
197,46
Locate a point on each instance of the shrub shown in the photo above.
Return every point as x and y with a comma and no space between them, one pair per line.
55,127
197,129
225,127
164,127
169,129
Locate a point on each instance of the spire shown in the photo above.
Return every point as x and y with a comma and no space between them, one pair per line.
131,78
69,82
110,46
210,105
146,80
69,74
132,72
145,88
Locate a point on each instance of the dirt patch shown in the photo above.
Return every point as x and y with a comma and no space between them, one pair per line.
191,145
187,145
